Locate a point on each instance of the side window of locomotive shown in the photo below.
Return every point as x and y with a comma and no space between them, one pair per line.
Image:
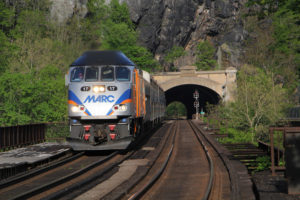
91,74
107,73
122,74
77,74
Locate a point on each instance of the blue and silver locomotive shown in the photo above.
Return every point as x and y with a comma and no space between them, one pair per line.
110,101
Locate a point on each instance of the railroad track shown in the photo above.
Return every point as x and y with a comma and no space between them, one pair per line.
188,168
53,179
73,177
24,168
35,171
169,163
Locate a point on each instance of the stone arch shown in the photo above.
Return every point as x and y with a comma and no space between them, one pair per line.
205,82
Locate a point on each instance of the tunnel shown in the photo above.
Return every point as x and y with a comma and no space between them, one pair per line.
184,94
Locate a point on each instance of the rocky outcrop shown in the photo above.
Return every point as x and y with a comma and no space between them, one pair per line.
65,9
163,24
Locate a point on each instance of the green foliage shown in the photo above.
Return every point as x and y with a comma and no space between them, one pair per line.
235,136
49,95
276,42
259,103
141,57
11,91
176,109
264,91
287,31
6,17
172,55
119,13
6,49
205,56
27,99
118,33
118,36
97,12
29,22
263,163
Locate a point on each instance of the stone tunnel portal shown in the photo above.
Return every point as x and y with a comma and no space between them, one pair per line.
184,94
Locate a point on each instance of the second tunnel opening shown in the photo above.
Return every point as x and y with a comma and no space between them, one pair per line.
184,94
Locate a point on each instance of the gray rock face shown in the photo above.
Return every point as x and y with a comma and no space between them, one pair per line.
163,24
64,9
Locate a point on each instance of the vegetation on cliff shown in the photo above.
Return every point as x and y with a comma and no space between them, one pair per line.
35,53
267,83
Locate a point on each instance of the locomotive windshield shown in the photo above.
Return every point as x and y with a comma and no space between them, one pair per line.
92,74
107,73
77,74
122,74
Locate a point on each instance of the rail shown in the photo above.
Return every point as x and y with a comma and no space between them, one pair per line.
241,185
209,158
21,135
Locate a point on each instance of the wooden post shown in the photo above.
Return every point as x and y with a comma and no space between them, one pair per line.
271,130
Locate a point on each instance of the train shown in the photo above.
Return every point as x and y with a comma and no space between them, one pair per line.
110,101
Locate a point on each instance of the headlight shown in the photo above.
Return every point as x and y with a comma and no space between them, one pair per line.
120,107
75,109
98,88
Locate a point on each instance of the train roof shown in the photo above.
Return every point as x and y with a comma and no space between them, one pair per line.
102,58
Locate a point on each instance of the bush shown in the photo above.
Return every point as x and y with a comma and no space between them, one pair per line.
235,136
263,163
205,56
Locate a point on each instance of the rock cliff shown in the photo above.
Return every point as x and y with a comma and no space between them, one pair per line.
166,23
64,9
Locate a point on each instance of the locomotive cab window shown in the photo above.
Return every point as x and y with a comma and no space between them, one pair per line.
91,74
122,74
77,74
107,73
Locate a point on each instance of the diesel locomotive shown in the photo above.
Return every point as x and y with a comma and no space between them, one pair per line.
110,101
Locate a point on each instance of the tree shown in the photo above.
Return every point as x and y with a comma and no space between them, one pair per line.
259,102
287,31
48,94
6,48
176,109
6,17
141,57
205,56
173,54
118,36
119,13
118,33
11,92
274,44
32,97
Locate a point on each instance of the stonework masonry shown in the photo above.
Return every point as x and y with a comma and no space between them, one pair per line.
223,82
